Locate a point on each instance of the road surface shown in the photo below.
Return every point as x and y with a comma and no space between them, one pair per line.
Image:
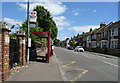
86,66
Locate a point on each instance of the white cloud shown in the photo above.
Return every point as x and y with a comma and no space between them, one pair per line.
62,37
12,21
76,14
85,28
94,11
60,28
56,8
61,21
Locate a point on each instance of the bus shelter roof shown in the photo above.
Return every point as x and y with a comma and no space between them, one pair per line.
42,34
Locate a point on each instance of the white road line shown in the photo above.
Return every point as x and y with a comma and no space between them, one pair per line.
84,55
87,56
110,64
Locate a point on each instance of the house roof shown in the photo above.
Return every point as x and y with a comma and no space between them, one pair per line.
114,23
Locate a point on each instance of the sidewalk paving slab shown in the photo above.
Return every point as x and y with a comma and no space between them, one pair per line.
38,71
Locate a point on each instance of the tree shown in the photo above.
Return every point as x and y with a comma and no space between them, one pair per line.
90,29
57,42
44,22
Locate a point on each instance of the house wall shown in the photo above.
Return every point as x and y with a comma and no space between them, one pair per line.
114,37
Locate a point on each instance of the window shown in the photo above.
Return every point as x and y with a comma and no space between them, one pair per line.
114,43
93,43
104,34
114,32
94,36
104,44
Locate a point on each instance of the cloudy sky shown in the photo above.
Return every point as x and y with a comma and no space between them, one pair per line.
71,17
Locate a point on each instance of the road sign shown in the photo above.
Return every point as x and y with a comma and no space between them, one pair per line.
33,14
33,19
32,25
29,43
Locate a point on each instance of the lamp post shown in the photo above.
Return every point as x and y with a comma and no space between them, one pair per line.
28,50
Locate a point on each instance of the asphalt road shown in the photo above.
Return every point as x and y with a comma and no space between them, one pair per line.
86,66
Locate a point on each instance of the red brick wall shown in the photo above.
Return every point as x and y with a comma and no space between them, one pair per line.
0,56
23,50
5,54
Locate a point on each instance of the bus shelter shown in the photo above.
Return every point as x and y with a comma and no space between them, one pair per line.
45,34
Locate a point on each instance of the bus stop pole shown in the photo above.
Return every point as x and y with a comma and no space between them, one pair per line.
28,34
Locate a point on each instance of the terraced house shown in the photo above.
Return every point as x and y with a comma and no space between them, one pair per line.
104,39
104,34
114,35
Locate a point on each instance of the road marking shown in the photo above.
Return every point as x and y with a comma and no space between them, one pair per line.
69,64
111,64
78,76
87,56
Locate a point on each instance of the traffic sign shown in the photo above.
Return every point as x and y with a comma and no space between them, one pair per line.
32,25
33,19
33,14
29,43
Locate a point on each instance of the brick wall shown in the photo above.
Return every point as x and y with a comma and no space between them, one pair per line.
5,54
0,56
115,52
22,48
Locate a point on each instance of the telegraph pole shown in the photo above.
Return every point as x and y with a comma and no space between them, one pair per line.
28,34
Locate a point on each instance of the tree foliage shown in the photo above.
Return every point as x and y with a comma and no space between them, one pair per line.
57,42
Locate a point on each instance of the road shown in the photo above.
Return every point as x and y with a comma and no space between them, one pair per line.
86,66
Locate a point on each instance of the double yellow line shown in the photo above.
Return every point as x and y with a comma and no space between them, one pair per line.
79,69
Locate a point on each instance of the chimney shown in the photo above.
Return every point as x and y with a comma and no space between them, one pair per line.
102,24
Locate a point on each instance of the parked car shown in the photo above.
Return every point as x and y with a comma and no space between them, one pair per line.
79,49
71,48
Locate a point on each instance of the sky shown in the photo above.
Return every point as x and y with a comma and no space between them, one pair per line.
72,18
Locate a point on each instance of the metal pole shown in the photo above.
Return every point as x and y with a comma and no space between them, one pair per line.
28,33
48,55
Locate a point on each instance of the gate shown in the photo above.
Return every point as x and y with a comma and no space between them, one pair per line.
14,53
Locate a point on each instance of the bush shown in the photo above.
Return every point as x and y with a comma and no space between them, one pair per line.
96,47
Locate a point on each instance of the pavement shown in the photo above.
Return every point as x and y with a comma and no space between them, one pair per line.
87,66
38,71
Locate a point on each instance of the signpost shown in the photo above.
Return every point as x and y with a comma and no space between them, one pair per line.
31,16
